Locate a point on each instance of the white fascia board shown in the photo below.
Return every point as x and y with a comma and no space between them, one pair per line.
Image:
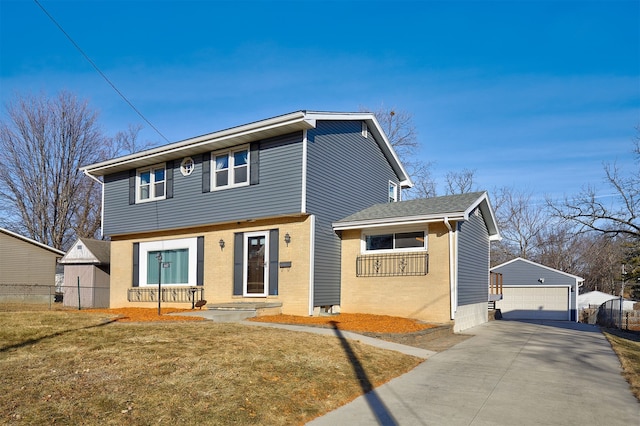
577,278
211,138
379,134
377,223
487,212
537,286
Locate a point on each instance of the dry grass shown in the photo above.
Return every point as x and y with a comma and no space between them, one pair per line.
85,368
353,322
627,347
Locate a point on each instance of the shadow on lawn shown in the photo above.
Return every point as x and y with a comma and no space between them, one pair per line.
382,414
30,342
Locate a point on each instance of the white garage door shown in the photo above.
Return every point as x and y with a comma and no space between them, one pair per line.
548,303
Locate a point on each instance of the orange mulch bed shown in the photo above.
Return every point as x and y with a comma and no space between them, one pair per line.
145,314
353,322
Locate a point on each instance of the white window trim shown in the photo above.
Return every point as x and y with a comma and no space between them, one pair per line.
245,263
231,175
189,243
394,230
395,191
151,183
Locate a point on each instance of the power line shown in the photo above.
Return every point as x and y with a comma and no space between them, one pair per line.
99,71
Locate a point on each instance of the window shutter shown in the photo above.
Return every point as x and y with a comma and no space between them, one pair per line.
206,172
273,262
238,262
136,264
169,173
254,164
132,186
200,262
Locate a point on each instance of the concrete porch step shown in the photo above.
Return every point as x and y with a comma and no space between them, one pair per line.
238,311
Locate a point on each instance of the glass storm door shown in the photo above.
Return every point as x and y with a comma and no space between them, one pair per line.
256,264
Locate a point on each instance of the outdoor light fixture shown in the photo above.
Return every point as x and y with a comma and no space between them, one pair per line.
221,242
287,238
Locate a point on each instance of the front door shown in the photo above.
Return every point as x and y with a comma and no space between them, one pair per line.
256,264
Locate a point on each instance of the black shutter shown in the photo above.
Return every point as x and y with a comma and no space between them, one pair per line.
273,262
136,264
200,262
132,186
206,172
169,177
254,164
238,261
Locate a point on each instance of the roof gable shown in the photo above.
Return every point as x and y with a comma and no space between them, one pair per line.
87,250
538,265
275,126
423,210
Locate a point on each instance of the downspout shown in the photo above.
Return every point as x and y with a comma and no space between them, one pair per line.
312,261
452,284
101,201
303,203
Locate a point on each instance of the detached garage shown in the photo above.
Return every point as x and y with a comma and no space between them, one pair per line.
532,291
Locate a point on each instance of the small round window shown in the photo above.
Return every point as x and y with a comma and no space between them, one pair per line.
186,167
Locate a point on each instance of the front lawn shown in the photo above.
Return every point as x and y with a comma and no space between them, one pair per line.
627,346
84,368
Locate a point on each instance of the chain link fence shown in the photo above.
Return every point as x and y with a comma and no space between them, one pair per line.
50,296
611,314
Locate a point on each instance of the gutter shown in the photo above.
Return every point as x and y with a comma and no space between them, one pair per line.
453,288
101,201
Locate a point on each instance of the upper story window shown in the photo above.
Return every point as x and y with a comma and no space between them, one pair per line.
393,192
394,241
151,183
230,168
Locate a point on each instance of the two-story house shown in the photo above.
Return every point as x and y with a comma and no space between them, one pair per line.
244,214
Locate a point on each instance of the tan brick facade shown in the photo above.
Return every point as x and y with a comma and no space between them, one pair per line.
423,297
293,282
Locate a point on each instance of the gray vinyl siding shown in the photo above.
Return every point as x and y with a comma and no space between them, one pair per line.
277,193
473,260
524,273
527,274
346,173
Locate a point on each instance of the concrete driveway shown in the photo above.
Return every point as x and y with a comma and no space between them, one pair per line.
509,373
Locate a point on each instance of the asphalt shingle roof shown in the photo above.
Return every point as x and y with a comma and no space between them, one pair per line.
421,207
100,249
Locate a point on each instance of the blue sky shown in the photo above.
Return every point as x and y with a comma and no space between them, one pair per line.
534,95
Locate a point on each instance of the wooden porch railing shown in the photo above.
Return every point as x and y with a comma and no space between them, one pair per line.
495,283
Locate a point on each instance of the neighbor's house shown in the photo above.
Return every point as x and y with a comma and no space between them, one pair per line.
532,291
86,270
594,299
27,268
426,259
245,214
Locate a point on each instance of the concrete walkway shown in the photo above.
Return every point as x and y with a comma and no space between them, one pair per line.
509,373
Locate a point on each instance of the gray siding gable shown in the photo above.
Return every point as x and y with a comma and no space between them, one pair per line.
473,260
346,173
277,193
523,273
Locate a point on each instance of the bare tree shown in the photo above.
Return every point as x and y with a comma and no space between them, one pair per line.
591,213
460,182
43,142
127,141
401,132
520,221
